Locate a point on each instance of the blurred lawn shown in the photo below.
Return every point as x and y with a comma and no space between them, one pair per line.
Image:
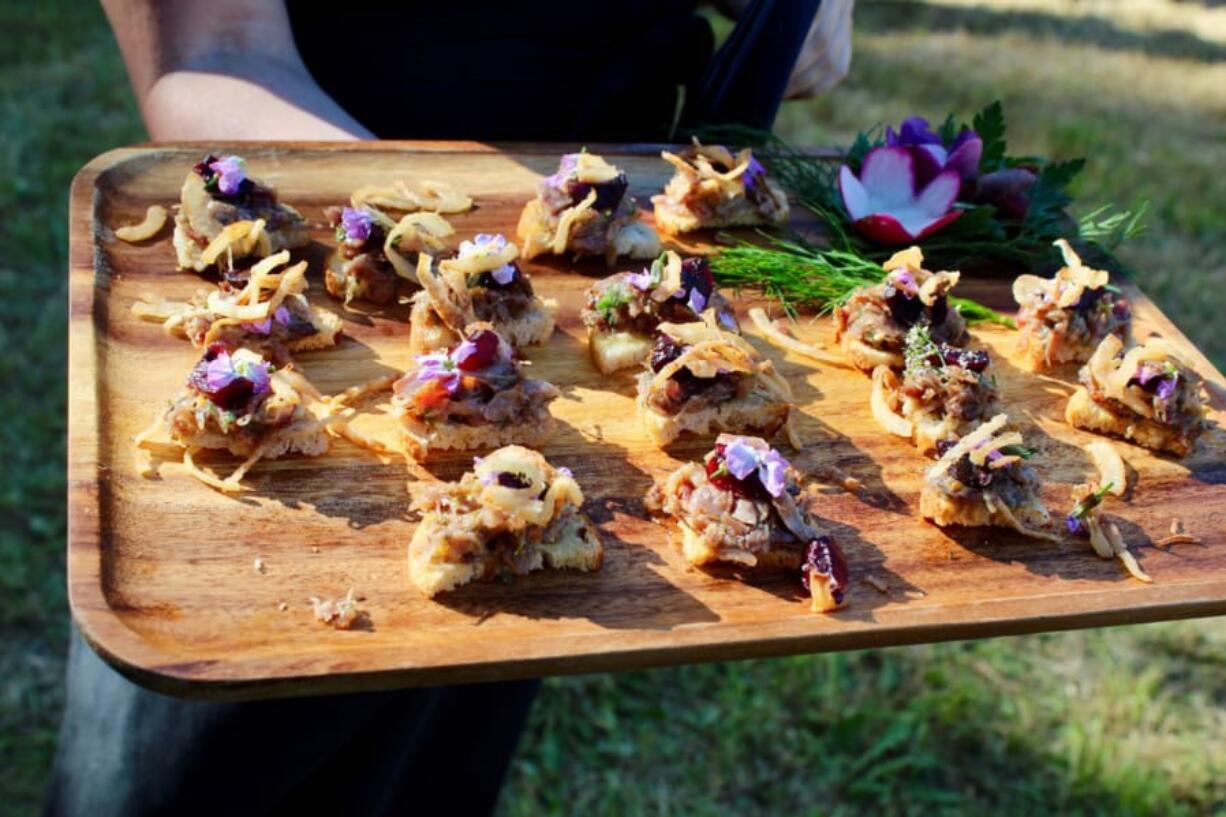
1124,721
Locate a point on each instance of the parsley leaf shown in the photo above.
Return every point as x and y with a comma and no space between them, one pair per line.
990,125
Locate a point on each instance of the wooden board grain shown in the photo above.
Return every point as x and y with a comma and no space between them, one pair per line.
161,569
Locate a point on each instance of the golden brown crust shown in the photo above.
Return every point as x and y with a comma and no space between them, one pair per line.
751,413
1084,413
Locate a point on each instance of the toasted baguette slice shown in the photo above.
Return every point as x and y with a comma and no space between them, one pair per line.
1084,413
420,441
512,513
612,351
576,546
698,552
944,510
305,437
752,413
329,326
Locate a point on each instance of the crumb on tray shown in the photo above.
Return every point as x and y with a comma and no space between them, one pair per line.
340,613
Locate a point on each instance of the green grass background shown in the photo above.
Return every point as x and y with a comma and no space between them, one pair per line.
1130,720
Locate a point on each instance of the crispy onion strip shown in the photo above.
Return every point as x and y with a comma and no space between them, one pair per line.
1018,525
1111,468
238,239
424,232
1120,548
776,336
567,222
155,220
230,484
884,382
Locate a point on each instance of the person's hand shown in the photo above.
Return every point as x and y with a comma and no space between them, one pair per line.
825,56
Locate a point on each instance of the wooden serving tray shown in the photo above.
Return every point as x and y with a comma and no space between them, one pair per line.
161,568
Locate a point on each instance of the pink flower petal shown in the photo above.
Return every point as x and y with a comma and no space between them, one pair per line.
940,194
855,197
936,152
884,229
888,174
929,161
965,158
952,215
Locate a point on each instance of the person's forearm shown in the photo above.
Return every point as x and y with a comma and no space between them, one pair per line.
225,69
275,103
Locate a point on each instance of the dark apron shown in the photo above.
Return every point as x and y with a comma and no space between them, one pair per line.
550,70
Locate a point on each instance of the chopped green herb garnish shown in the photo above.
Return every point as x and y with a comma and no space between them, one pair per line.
611,300
1082,509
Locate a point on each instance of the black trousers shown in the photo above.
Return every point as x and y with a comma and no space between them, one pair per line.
125,751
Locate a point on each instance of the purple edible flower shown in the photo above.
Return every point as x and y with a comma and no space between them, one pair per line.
754,173
727,320
643,281
566,169
264,327
932,155
440,367
697,301
226,368
903,280
356,224
504,274
742,459
231,174
1166,388
1146,372
1075,526
483,244
565,472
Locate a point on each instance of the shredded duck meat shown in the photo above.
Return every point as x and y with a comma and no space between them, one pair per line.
1064,318
871,326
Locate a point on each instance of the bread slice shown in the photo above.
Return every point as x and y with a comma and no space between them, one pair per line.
973,512
865,357
328,327
576,545
1083,412
753,413
612,351
420,440
306,437
699,552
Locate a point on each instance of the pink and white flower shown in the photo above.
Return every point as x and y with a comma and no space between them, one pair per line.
887,204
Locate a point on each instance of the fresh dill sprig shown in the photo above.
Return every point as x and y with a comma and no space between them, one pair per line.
1108,227
798,276
802,276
